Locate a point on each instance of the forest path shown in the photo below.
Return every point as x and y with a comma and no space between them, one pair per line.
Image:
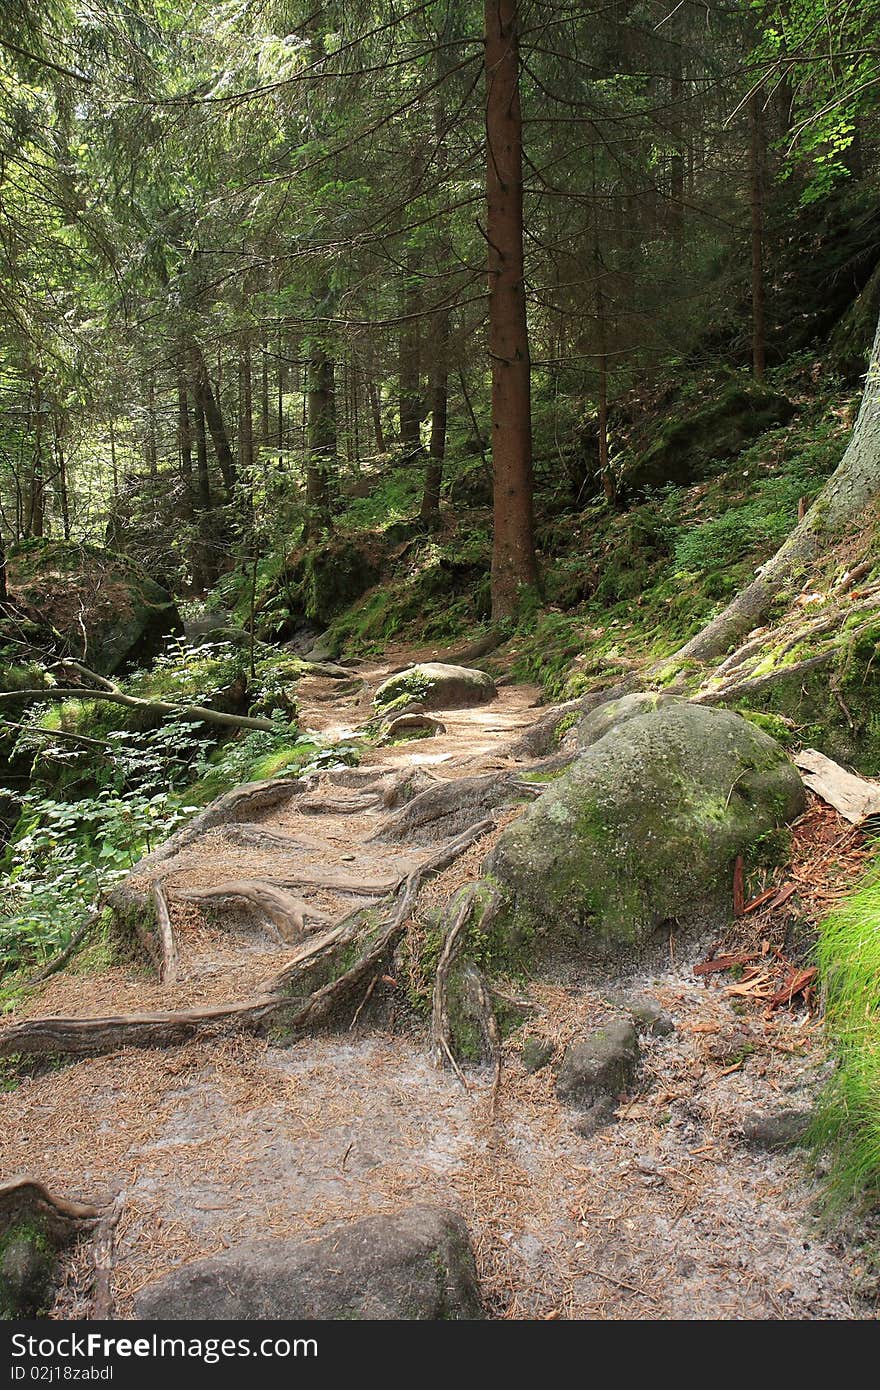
664,1214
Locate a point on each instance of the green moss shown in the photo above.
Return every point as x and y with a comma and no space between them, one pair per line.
848,1117
27,1258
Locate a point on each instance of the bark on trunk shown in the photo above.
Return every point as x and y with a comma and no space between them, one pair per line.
63,491
376,412
756,203
852,488
36,509
514,568
321,439
214,420
409,353
184,438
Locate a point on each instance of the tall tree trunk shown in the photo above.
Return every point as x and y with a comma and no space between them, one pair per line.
203,567
36,509
321,439
514,568
214,420
264,394
279,431
430,509
63,493
114,468
376,412
852,488
677,162
757,166
409,354
245,409
184,438
151,445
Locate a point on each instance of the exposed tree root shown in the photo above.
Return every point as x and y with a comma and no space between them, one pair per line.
442,1031
447,807
170,961
320,804
25,1200
286,913
540,739
254,837
103,1247
85,1037
735,690
301,997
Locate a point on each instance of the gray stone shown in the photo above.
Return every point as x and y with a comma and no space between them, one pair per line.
598,721
417,1265
649,1017
599,1066
783,1130
641,832
537,1053
435,685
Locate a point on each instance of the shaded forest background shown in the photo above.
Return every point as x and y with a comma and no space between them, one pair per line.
243,252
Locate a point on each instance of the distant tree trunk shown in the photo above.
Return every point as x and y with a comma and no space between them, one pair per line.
184,437
203,567
114,468
4,589
608,487
203,490
757,165
514,568
356,413
214,420
322,446
409,353
376,412
430,509
852,488
63,494
279,432
36,509
677,162
264,394
151,445
245,410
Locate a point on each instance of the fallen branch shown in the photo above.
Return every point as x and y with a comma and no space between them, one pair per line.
63,734
200,713
853,797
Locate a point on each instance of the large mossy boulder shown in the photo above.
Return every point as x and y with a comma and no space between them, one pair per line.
642,831
435,685
417,1265
686,448
107,610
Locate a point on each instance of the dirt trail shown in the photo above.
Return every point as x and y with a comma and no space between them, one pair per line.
664,1214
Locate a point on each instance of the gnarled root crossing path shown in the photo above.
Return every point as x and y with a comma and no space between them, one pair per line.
278,912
